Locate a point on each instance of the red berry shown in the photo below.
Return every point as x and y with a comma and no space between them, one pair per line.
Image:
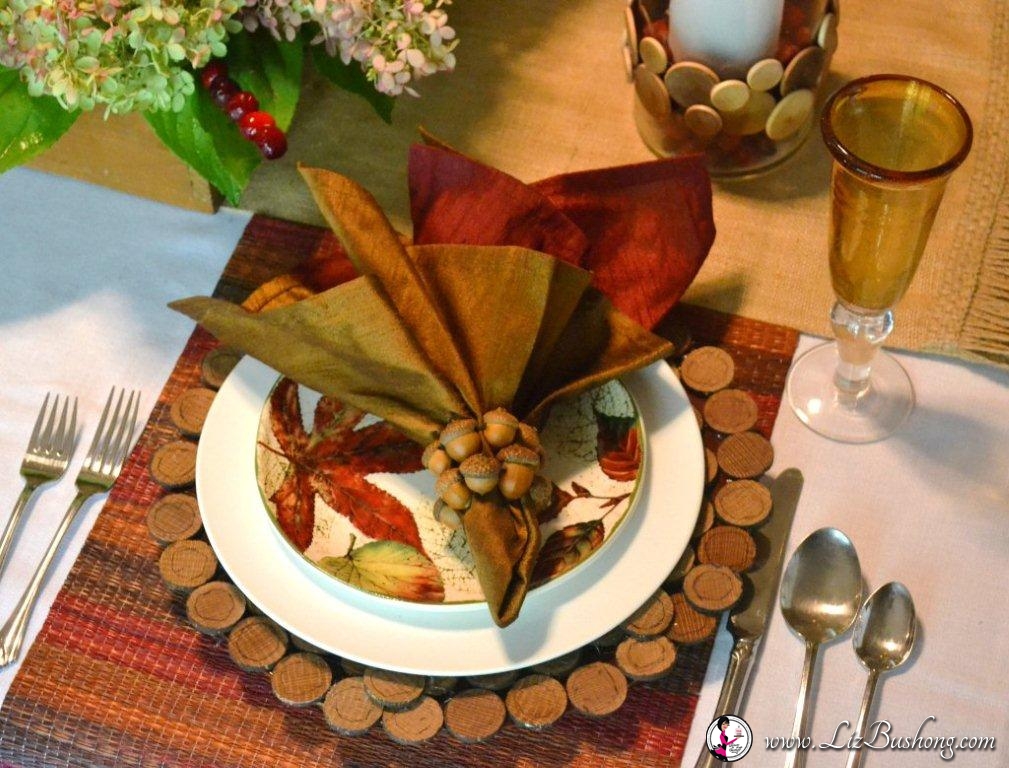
253,123
240,104
272,142
215,70
222,91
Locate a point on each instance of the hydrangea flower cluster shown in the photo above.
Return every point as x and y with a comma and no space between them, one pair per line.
125,54
397,42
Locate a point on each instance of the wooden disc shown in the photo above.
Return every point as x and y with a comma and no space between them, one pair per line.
804,70
790,114
257,643
730,96
684,564
393,690
689,625
710,466
651,92
217,364
301,679
707,369
705,519
536,701
703,121
765,74
347,708
653,55
173,518
712,588
826,35
652,618
439,686
729,546
751,118
689,83
416,724
730,411
494,682
597,689
215,607
746,454
474,715
189,410
173,465
188,564
745,503
560,666
646,659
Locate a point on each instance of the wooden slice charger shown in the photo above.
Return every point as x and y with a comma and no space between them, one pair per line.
707,369
173,465
745,503
415,725
217,364
348,709
729,546
301,679
173,518
215,607
646,659
730,411
705,519
256,644
745,455
186,565
393,690
189,410
712,588
475,715
597,689
651,619
689,625
536,701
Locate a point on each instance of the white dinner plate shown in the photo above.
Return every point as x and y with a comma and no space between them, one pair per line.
552,621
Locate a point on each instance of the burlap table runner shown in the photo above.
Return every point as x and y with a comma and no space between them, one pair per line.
116,677
541,89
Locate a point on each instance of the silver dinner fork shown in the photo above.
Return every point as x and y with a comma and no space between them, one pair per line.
102,465
45,460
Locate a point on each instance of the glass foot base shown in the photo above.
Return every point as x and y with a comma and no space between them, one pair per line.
864,418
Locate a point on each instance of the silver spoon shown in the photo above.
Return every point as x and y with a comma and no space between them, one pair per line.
820,595
883,639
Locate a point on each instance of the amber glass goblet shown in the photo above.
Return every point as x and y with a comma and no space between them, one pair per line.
895,140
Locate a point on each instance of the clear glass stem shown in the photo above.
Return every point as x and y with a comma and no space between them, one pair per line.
859,336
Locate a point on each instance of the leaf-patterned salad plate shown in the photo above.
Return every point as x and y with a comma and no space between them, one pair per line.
348,492
412,637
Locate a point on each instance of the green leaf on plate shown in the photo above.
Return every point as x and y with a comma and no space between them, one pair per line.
271,69
29,124
351,78
203,136
389,568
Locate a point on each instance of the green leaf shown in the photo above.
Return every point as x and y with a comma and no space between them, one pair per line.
29,125
203,136
389,568
351,78
271,69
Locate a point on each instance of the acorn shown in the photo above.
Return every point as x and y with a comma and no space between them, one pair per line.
435,458
452,490
447,516
481,472
499,428
461,439
520,465
529,436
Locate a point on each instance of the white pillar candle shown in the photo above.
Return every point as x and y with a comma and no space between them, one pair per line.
727,35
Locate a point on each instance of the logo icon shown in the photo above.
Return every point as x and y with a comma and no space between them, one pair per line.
729,738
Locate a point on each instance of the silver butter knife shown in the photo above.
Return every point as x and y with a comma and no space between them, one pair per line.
748,620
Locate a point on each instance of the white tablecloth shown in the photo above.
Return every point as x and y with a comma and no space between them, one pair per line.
82,300
85,274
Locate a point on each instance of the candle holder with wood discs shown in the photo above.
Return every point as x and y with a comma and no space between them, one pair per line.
593,680
744,124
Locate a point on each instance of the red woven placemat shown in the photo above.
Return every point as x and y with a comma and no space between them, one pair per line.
116,677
